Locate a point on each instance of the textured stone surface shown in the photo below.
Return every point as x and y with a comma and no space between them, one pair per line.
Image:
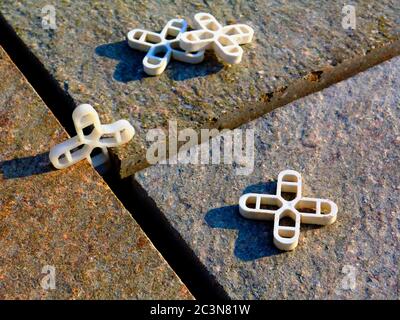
68,219
88,56
345,141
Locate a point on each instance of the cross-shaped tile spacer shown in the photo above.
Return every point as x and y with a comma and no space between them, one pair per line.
81,146
287,203
161,46
225,41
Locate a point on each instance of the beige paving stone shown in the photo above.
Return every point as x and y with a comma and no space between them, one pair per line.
68,219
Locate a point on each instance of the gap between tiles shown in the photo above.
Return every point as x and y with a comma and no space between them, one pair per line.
174,250
166,240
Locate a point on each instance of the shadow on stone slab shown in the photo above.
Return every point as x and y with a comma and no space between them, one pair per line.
130,66
254,239
262,187
180,71
25,167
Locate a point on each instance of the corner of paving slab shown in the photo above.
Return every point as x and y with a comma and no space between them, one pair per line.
63,233
345,142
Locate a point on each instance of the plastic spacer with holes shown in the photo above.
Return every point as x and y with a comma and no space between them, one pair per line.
297,209
224,40
161,46
82,145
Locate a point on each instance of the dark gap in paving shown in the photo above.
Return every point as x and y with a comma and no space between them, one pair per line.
134,198
59,102
166,240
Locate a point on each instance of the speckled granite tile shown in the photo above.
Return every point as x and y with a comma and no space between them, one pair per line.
88,56
68,219
345,141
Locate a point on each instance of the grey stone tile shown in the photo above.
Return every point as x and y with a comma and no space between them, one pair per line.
345,141
68,219
88,56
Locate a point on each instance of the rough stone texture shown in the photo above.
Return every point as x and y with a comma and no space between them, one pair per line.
69,219
345,141
88,56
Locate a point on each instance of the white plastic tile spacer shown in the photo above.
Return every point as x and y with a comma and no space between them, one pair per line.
161,46
81,146
225,40
297,208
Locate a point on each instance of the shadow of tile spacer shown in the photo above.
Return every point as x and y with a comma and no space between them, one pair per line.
299,209
81,146
225,40
161,46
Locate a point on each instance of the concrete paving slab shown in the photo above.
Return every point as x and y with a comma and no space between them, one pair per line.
345,141
297,49
68,219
